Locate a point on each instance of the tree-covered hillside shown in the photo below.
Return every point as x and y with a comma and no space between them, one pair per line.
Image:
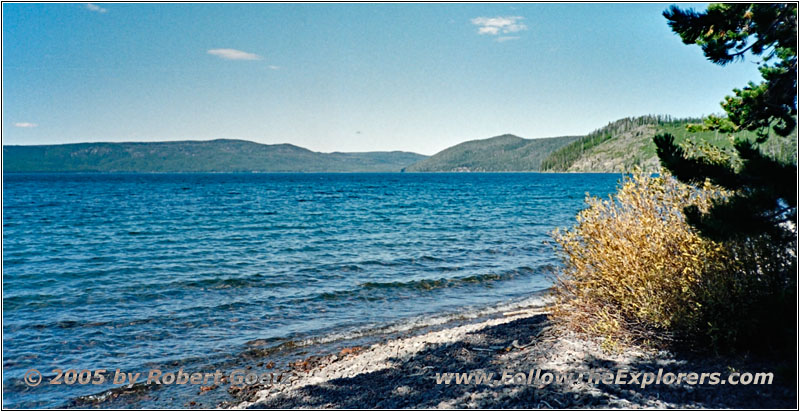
196,156
562,159
506,153
627,143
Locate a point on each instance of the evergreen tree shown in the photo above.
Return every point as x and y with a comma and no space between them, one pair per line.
765,196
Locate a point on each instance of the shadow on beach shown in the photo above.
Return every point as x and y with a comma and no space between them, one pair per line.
411,383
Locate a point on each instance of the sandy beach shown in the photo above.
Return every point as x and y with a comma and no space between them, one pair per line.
402,373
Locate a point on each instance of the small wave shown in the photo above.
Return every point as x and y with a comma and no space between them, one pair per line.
374,262
367,291
427,258
264,351
342,268
139,390
24,300
256,280
187,313
537,299
65,324
227,283
400,262
262,342
428,284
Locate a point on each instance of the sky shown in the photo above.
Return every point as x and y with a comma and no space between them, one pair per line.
345,77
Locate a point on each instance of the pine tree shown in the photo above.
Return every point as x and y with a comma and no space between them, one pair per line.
765,196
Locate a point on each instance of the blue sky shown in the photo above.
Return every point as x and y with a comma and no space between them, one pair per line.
345,77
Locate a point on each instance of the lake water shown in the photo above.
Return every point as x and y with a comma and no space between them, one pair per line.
135,271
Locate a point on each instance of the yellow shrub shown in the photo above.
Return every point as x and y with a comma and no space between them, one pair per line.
633,268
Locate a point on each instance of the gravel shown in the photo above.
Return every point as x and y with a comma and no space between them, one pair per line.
401,373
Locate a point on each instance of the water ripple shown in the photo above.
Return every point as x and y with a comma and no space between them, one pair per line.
128,270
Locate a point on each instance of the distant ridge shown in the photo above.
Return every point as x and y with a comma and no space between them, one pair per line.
505,153
222,155
618,147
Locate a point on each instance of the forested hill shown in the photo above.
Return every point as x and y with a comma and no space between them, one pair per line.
627,143
618,147
196,156
506,153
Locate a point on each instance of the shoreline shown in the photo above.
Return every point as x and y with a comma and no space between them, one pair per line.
276,355
401,373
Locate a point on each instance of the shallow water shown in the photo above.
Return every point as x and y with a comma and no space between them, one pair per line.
134,270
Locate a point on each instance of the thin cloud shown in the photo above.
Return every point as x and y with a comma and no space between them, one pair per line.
96,8
233,54
499,25
273,67
506,38
25,124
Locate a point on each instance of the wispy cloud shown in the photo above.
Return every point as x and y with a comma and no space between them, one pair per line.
499,25
233,54
506,38
25,124
273,67
94,7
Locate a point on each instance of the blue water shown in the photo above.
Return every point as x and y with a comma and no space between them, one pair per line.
135,271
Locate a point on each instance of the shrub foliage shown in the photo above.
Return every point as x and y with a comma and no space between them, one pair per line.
636,272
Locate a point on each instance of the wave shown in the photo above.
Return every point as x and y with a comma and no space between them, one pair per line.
370,291
402,261
429,284
180,286
463,314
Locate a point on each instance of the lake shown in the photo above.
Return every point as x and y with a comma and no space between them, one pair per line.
134,271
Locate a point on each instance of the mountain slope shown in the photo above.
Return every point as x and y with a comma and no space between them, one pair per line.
506,153
627,143
620,152
196,156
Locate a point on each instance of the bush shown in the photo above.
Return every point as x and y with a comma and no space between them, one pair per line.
636,272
